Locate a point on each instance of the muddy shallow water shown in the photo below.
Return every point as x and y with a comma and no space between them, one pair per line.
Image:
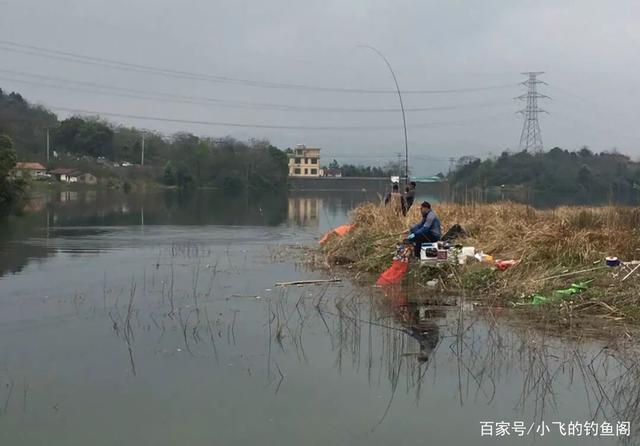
136,320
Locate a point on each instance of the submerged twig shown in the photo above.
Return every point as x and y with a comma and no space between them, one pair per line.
306,282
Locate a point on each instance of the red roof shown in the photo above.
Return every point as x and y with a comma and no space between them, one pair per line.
30,166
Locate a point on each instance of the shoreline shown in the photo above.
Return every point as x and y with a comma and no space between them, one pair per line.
561,275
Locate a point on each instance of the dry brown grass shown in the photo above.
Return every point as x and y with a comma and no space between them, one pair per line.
547,242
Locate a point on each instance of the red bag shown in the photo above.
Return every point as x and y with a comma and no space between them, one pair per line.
393,274
503,265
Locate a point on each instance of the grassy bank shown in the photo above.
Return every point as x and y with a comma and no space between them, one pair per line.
547,243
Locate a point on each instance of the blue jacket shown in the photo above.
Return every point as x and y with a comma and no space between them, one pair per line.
430,225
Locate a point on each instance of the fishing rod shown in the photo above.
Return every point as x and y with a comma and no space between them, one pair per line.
404,120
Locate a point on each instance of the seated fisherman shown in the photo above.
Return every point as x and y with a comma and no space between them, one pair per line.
427,231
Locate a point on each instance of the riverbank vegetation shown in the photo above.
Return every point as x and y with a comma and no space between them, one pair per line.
11,190
114,153
551,246
578,176
225,164
353,170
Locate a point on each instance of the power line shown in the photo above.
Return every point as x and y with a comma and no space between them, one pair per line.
258,126
15,47
94,88
594,106
589,125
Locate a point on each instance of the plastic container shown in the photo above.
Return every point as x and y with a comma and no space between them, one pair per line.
429,251
466,253
612,261
482,257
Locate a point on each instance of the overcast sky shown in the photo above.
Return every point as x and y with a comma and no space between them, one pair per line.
590,51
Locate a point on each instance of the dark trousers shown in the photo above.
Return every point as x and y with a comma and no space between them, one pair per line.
420,239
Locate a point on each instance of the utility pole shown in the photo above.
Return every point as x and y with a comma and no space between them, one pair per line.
399,165
48,145
531,137
142,154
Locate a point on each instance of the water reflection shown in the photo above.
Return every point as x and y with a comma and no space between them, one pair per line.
57,214
54,214
402,342
193,311
555,378
68,196
305,211
419,319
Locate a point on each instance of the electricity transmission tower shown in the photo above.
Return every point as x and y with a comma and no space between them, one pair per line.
452,163
531,137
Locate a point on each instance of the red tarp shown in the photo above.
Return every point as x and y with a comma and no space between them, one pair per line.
340,231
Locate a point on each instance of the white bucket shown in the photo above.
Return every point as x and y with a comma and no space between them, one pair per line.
467,252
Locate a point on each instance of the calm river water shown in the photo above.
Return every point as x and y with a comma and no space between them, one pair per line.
155,320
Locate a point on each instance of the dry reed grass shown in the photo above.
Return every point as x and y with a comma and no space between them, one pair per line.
546,242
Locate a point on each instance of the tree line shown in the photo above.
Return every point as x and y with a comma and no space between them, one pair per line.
182,160
11,189
558,171
353,170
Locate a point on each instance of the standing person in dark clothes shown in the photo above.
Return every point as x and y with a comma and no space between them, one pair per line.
396,199
410,194
427,231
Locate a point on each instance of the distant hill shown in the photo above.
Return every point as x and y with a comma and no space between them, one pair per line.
26,124
185,160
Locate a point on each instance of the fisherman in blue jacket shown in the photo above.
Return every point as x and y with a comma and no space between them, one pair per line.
427,231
